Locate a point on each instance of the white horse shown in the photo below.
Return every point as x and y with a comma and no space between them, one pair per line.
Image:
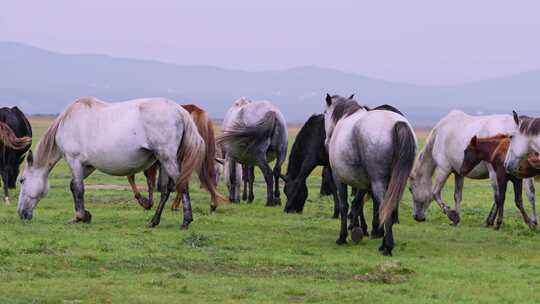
372,151
442,155
525,138
119,139
255,133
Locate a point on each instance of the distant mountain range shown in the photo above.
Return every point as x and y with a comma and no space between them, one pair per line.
44,82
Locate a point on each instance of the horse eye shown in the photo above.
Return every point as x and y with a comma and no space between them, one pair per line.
22,180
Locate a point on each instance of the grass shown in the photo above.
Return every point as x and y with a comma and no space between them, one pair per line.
254,254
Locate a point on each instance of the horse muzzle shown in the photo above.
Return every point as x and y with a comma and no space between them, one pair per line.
25,214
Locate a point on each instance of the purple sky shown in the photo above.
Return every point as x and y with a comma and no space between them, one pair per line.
424,42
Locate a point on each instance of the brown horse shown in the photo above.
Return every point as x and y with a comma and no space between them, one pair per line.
208,175
493,150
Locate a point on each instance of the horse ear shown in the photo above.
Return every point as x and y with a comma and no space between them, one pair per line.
328,99
516,117
30,158
351,97
474,141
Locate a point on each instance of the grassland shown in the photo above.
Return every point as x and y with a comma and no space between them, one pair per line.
254,254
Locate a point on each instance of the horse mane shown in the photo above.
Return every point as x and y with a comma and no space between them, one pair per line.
47,146
386,107
529,125
344,107
299,151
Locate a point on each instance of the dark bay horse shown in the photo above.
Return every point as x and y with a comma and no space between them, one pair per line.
15,140
494,150
208,176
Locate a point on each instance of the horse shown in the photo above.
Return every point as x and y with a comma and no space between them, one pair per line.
255,133
524,139
307,152
442,155
118,139
15,141
208,177
373,151
493,150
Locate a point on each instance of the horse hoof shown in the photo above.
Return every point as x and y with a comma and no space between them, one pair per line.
6,201
277,201
213,208
453,216
357,234
341,241
184,226
145,203
385,250
152,224
85,217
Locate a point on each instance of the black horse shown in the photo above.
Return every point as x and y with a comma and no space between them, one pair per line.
11,159
308,152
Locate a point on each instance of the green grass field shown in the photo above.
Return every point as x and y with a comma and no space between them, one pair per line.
254,254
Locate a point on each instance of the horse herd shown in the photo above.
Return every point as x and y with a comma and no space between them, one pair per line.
372,150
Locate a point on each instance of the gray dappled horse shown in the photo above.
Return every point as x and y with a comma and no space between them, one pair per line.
373,151
255,133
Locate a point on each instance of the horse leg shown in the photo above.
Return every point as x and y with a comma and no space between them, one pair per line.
358,229
502,182
268,178
490,220
458,192
277,172
441,176
377,230
188,214
233,196
531,196
166,186
378,190
6,190
150,174
343,210
245,182
518,198
78,174
251,176
178,200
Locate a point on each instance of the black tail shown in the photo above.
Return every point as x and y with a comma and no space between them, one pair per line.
402,164
249,135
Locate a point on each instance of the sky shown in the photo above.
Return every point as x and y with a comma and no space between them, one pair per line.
422,42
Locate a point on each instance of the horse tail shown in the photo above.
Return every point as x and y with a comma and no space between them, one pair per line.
10,139
207,173
240,133
404,145
190,152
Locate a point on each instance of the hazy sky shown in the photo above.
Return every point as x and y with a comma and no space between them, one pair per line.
425,42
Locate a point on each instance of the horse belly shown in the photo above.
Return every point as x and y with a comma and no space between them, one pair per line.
126,163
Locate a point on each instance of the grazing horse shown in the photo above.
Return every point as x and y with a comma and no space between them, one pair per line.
373,151
255,133
493,150
15,140
118,139
525,138
208,176
442,155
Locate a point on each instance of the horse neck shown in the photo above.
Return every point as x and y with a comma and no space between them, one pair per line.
425,165
53,157
491,150
296,159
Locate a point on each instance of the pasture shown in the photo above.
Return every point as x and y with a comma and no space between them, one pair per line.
255,254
